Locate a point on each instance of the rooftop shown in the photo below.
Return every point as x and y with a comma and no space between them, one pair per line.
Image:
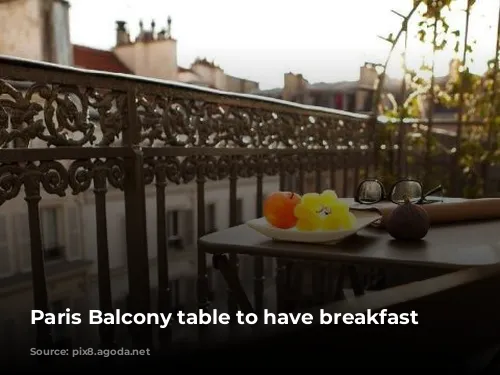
97,59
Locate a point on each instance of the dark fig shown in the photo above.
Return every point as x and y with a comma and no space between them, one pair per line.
408,222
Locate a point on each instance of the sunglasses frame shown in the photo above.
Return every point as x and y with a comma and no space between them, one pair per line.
422,200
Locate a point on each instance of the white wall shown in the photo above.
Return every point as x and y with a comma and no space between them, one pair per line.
188,77
77,225
156,59
15,243
21,27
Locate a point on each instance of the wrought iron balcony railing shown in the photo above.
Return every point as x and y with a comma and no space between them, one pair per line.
69,131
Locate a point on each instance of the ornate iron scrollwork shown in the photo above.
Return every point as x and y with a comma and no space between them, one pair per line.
11,181
60,115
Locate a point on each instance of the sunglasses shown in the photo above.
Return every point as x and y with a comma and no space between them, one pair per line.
371,191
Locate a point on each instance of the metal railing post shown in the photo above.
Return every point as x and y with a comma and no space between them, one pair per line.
136,224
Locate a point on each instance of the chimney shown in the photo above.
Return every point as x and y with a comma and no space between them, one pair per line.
368,75
169,27
57,46
121,33
161,34
295,85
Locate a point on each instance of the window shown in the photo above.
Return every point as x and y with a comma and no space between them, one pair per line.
173,235
187,227
339,101
73,243
239,211
210,218
368,103
351,102
180,229
257,208
322,100
22,238
311,182
50,233
291,182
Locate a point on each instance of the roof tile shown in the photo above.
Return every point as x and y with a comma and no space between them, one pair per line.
96,59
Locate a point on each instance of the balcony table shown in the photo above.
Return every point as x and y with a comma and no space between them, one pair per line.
446,247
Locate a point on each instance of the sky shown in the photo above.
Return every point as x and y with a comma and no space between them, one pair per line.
324,40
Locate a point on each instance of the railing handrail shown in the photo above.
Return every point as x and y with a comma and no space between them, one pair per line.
32,64
173,133
424,121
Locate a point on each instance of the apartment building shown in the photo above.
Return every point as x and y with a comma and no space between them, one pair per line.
68,224
353,96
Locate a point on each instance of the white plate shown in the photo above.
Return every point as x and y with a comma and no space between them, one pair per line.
363,219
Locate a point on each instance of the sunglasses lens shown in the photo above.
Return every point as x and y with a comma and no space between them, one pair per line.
410,189
370,192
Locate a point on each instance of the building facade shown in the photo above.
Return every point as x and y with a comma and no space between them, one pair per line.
39,30
353,96
153,53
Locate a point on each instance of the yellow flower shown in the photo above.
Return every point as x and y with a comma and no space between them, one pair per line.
323,212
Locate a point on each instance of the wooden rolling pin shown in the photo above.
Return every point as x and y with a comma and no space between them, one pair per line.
467,210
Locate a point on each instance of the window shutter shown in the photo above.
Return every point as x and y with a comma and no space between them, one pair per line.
73,238
5,255
23,240
188,227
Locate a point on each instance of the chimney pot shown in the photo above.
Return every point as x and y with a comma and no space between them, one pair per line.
169,27
121,25
122,37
